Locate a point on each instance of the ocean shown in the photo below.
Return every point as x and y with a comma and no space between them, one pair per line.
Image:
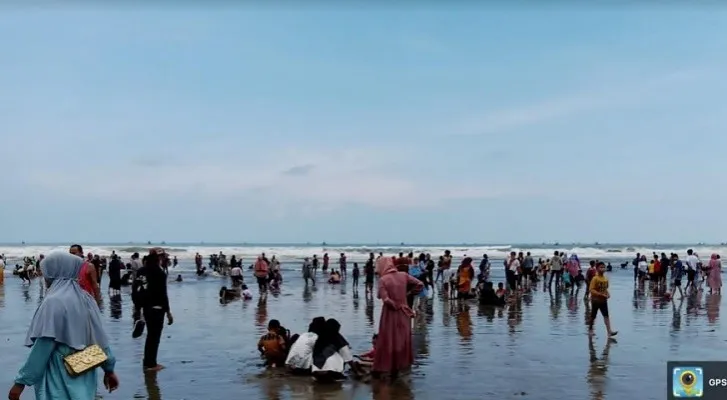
359,252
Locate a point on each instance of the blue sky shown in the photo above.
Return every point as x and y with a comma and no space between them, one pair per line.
363,125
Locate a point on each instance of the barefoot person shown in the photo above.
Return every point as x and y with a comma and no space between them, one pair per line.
152,299
67,320
599,299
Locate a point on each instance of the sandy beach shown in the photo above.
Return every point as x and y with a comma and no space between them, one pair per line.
535,348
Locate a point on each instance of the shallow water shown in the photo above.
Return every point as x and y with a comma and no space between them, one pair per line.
537,348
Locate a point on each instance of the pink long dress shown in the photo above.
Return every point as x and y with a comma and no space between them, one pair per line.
393,346
714,280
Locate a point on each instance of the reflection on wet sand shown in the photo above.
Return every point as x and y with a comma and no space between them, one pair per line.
152,386
598,368
713,304
523,338
115,309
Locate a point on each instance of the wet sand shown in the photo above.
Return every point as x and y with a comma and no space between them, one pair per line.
537,348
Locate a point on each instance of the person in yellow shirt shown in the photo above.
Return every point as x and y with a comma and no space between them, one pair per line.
599,299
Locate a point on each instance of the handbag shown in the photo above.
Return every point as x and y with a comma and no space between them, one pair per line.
84,360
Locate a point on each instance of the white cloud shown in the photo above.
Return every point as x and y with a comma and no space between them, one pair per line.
326,178
621,94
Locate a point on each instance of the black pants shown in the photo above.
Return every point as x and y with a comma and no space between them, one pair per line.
511,279
355,280
596,306
558,276
154,326
262,284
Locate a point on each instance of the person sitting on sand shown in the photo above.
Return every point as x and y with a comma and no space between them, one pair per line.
229,294
300,356
488,296
331,354
335,277
368,357
272,345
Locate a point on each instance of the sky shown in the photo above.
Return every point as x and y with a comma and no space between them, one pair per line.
417,124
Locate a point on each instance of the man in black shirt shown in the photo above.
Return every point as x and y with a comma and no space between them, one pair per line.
149,294
369,274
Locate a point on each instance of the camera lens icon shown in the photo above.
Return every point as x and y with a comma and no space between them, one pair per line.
688,379
688,382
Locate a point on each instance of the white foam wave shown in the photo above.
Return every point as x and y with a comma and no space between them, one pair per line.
360,253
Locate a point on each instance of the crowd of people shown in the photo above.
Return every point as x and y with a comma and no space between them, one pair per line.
68,321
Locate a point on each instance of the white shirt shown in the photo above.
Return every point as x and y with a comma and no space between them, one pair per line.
643,266
301,352
136,264
237,271
337,361
693,262
513,265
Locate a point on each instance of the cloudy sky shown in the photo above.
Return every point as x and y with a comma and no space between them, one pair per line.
363,125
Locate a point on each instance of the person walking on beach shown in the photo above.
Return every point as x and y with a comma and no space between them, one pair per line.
393,345
67,320
512,271
556,270
150,294
315,264
676,274
599,300
308,272
261,274
692,271
87,276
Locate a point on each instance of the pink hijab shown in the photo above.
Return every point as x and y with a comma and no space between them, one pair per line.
385,265
714,261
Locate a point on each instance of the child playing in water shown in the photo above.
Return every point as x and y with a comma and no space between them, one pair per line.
272,345
366,360
500,290
246,293
355,275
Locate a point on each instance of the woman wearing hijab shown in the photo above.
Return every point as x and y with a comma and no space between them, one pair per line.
300,356
715,274
466,274
393,345
330,354
68,320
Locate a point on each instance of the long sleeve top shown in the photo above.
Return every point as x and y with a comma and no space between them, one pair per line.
45,371
150,288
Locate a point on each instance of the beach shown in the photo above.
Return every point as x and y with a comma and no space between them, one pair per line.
535,348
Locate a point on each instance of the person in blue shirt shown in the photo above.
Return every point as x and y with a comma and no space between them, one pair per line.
676,274
68,320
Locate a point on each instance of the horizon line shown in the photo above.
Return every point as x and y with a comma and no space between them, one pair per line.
361,244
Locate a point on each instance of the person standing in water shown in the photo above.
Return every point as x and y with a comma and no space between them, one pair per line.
325,262
343,265
87,277
599,300
369,272
315,264
393,345
355,275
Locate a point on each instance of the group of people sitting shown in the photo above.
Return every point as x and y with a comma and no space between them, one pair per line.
321,352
